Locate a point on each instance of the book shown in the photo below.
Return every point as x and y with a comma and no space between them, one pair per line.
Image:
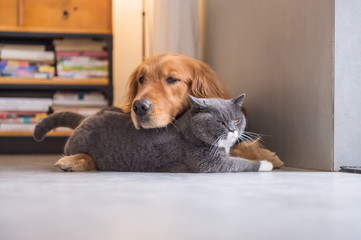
81,73
102,54
28,55
26,60
79,98
22,114
81,58
10,100
86,111
82,66
21,120
25,104
17,126
30,47
63,102
79,95
90,45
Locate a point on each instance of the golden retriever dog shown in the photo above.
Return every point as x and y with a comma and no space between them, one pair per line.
158,92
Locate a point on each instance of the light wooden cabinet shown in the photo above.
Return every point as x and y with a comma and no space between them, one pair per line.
71,16
8,13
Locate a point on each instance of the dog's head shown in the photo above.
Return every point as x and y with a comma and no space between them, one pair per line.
158,88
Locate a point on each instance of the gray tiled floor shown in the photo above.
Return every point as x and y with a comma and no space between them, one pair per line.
39,202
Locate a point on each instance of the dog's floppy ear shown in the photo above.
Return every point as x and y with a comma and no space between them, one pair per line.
131,91
205,83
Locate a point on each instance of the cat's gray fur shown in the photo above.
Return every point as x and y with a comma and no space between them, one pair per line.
196,142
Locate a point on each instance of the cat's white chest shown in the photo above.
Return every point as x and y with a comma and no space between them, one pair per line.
229,141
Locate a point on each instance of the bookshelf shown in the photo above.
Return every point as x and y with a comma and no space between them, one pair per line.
40,22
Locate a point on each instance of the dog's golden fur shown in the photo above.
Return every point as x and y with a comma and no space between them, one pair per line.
169,100
149,81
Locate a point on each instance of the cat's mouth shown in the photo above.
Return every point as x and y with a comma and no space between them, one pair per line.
232,137
229,140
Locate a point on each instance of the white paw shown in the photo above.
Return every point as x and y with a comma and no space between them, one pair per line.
265,166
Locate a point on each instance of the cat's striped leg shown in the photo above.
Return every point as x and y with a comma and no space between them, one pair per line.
76,163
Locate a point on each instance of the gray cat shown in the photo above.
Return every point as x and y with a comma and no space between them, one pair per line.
199,141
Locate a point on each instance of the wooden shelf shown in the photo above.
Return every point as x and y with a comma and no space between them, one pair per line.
53,30
30,133
54,81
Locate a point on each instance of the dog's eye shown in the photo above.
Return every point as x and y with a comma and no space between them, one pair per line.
141,80
171,80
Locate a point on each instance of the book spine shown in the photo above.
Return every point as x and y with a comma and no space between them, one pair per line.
23,115
37,56
20,120
17,126
67,54
24,108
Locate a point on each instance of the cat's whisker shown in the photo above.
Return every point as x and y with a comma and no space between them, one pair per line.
248,138
251,135
243,139
257,139
253,145
173,119
256,134
216,141
248,143
214,145
175,126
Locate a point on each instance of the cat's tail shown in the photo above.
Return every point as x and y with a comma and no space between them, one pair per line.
61,119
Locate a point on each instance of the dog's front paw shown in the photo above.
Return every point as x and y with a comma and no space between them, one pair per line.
76,163
265,166
66,163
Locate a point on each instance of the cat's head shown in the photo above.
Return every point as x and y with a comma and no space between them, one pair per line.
216,121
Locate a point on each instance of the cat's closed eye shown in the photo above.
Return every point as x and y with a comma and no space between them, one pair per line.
221,122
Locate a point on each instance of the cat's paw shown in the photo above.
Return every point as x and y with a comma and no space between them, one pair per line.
265,166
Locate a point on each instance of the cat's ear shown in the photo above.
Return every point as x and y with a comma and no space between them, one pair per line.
196,103
238,100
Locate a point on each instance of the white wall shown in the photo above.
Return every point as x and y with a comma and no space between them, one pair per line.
347,83
280,53
127,33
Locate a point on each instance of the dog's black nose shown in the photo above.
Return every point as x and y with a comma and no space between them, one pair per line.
141,107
